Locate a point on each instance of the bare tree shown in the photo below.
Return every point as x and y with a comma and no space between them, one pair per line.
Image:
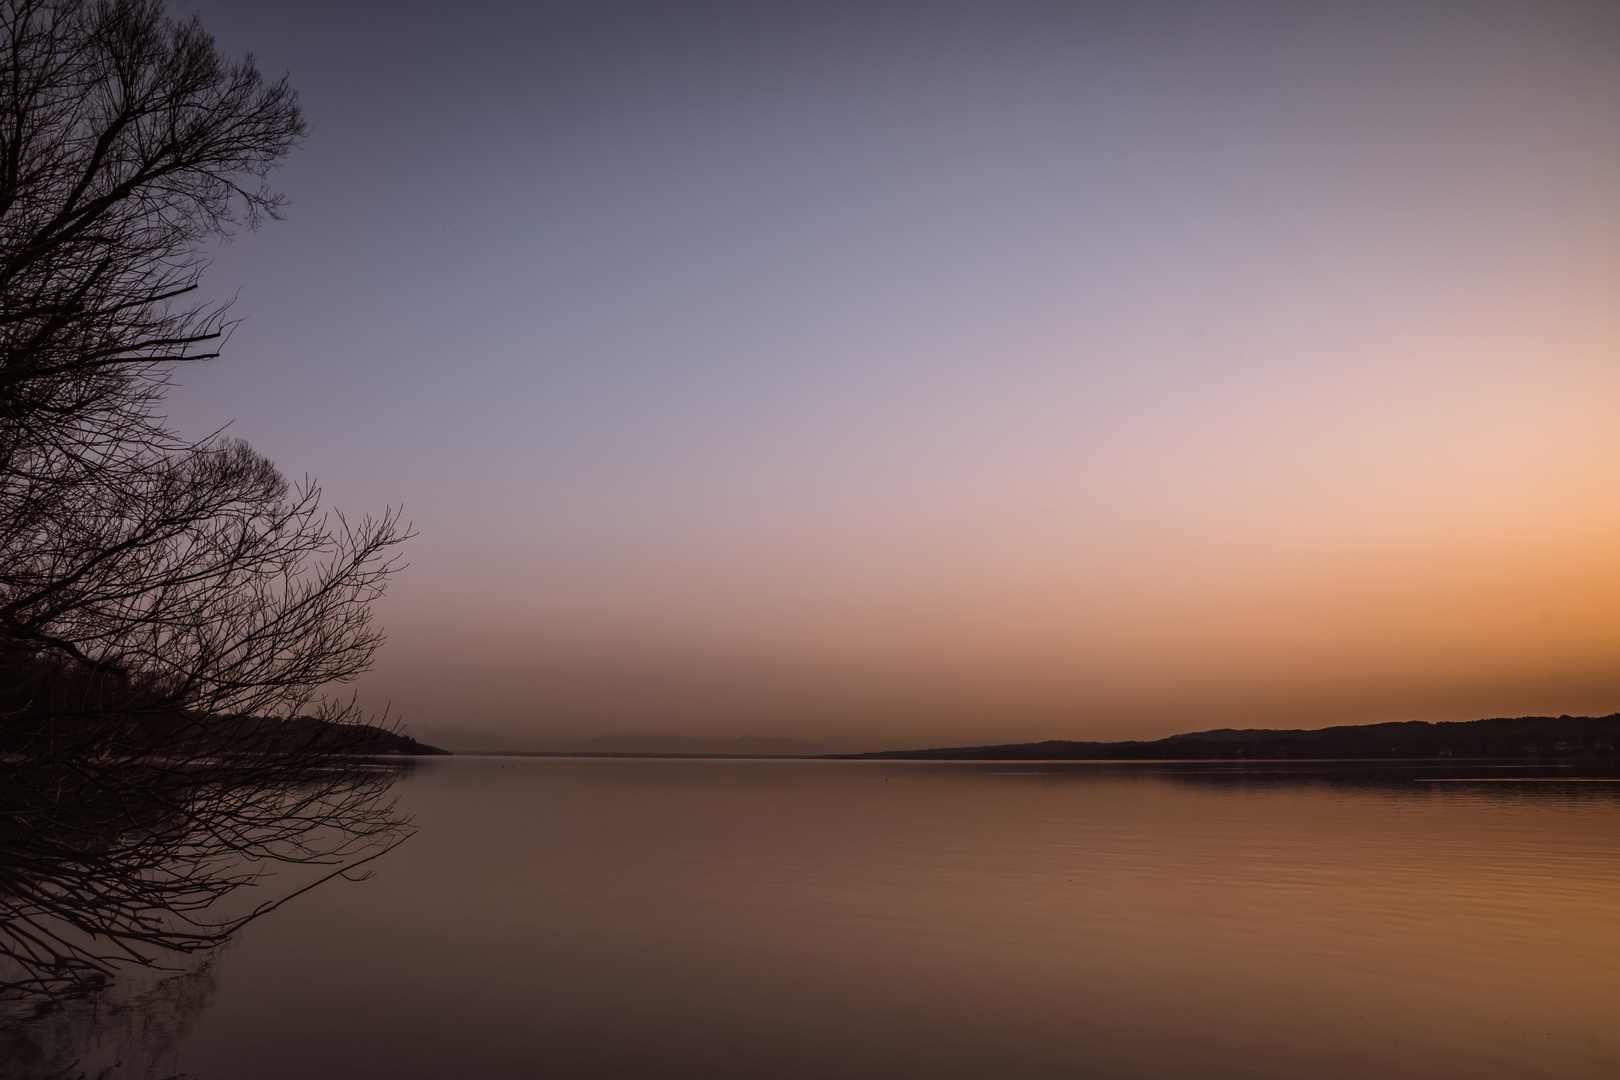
125,141
172,614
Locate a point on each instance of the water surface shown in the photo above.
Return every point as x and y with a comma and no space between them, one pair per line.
629,919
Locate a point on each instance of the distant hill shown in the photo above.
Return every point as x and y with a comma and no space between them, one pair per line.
267,734
683,745
376,740
1501,737
461,739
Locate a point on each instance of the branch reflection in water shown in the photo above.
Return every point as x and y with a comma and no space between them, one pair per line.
128,1031
110,866
610,919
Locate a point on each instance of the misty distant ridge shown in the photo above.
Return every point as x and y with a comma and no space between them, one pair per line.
747,746
1499,737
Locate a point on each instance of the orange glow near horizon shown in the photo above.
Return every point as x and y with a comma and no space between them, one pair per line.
1433,541
867,377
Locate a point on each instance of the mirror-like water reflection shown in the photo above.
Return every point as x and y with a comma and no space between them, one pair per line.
612,918
132,1030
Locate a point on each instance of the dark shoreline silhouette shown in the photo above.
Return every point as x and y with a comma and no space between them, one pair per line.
365,740
1524,737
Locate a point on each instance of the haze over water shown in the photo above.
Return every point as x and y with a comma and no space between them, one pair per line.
743,919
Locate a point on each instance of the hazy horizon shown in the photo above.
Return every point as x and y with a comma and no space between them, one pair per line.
901,374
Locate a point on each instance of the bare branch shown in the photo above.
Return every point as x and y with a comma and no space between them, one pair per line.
173,614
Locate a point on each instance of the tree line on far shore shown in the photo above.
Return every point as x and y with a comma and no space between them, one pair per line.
1501,737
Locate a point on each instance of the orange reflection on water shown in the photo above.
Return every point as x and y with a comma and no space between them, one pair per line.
866,919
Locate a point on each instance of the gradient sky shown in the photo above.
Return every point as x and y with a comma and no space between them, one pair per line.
885,373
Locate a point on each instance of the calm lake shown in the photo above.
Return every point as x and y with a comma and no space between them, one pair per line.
763,919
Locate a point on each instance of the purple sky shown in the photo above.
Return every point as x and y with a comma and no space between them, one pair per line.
883,373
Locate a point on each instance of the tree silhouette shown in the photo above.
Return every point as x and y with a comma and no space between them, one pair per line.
172,613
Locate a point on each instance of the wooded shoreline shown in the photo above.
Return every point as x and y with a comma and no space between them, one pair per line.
1524,737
